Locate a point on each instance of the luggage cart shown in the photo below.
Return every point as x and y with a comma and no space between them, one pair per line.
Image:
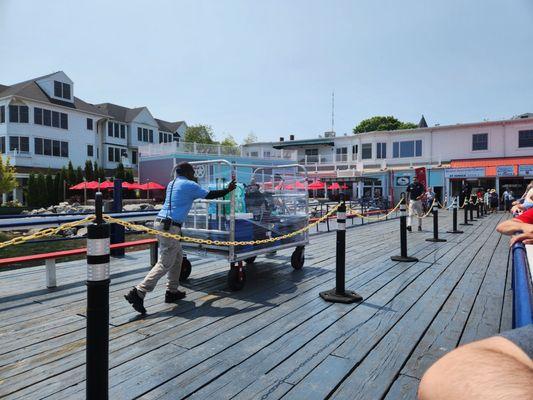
270,201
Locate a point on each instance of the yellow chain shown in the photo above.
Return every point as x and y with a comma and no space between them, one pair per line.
168,235
353,212
46,232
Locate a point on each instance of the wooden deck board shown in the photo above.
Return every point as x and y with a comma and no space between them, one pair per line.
276,338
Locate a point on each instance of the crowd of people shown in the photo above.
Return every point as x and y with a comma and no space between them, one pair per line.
500,367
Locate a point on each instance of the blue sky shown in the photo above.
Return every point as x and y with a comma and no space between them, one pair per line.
269,66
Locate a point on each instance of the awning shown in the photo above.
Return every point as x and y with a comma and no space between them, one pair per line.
491,164
298,143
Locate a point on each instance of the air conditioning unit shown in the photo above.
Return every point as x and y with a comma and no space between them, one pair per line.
329,134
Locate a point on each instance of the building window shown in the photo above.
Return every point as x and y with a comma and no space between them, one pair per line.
366,151
38,116
47,118
19,143
56,148
145,135
151,134
90,150
117,154
123,131
18,114
110,154
139,134
50,118
480,141
525,138
266,154
342,154
134,157
381,150
38,145
64,121
62,90
110,129
89,124
64,149
47,147
116,128
2,114
55,119
2,145
408,148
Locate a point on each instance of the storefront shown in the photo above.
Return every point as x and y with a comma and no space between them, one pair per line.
512,174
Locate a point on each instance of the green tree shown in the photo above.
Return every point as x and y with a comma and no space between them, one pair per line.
8,182
200,134
119,172
61,184
89,171
50,194
229,141
31,191
382,123
58,188
41,197
79,175
101,174
71,175
128,175
251,138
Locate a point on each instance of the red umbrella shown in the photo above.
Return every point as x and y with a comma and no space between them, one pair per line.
299,185
334,186
151,186
289,187
85,185
316,185
107,185
344,186
130,186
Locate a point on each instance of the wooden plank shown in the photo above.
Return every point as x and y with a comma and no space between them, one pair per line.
404,387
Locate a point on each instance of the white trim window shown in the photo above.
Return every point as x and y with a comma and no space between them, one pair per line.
480,141
407,149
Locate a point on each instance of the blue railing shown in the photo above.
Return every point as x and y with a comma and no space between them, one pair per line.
522,288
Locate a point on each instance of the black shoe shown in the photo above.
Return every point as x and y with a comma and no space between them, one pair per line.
419,229
136,301
409,229
173,297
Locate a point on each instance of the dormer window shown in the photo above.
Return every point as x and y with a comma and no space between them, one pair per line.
62,90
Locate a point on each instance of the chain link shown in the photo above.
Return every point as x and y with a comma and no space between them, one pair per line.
46,232
210,242
352,211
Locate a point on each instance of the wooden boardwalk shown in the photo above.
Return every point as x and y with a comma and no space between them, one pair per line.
274,339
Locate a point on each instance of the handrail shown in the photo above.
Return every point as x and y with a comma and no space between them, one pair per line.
522,287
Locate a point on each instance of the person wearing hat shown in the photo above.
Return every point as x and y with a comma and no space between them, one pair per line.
180,194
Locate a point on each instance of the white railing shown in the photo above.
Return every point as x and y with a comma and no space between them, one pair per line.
162,149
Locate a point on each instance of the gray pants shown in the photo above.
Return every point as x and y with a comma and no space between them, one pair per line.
415,207
168,262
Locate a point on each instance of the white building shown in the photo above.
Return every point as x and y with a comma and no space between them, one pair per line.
445,151
43,126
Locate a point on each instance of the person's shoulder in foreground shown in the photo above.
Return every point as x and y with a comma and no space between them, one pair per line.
500,367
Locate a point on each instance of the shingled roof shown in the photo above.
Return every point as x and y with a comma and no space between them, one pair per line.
31,90
168,126
120,113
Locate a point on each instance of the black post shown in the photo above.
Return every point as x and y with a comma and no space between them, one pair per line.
477,210
97,348
403,257
454,210
117,231
465,208
340,294
362,212
435,238
327,219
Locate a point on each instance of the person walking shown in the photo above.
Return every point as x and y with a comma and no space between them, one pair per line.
415,193
506,199
180,194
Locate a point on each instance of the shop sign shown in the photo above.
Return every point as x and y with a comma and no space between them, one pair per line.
403,180
525,170
505,170
464,172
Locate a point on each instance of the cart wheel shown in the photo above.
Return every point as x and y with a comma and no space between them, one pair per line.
236,276
186,269
250,260
298,258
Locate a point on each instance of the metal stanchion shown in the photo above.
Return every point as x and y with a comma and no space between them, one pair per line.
403,257
97,348
435,238
339,294
477,210
465,208
454,210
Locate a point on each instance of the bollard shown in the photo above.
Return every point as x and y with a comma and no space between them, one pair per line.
339,294
403,257
477,210
435,237
454,210
97,348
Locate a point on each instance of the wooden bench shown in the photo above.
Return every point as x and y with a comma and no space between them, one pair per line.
50,258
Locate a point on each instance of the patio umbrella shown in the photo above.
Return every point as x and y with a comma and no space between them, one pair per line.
85,185
299,185
344,186
107,185
151,186
316,185
130,186
334,186
289,187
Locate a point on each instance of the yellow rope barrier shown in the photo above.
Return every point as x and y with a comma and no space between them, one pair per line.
46,232
353,212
